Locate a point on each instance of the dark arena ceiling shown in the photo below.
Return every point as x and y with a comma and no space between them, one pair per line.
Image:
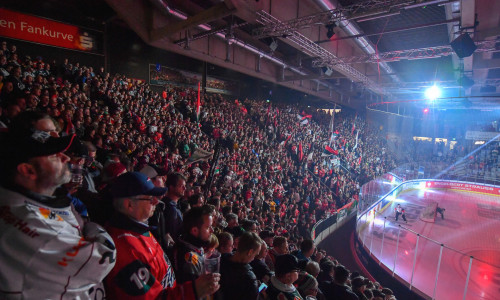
356,53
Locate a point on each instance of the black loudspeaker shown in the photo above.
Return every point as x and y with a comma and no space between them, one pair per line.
463,45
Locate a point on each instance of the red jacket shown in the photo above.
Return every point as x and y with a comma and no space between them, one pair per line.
142,269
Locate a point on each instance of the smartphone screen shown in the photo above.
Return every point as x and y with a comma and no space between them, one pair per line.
262,287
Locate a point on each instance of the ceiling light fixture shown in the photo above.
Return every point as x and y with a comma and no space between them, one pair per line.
330,33
433,93
273,45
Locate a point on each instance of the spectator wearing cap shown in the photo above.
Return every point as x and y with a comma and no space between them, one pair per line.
238,280
338,289
188,250
142,270
286,273
307,285
358,285
48,251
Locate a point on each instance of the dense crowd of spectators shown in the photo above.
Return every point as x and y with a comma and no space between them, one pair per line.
242,179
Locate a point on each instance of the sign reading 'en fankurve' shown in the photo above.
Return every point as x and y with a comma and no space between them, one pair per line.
34,29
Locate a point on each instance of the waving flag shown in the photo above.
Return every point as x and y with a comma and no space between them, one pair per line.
198,104
355,146
301,154
328,151
303,117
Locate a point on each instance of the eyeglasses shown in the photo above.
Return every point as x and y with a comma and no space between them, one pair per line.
144,198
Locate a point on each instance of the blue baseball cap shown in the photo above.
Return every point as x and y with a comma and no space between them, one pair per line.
134,184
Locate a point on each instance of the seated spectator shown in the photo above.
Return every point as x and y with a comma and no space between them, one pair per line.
307,285
368,294
188,250
358,287
238,281
48,251
378,295
142,270
338,289
326,273
281,284
312,268
389,294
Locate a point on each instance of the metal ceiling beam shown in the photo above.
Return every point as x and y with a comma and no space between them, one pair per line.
310,48
389,31
418,85
410,54
309,77
216,12
481,63
362,10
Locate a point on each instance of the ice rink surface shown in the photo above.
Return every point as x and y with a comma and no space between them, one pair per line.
471,225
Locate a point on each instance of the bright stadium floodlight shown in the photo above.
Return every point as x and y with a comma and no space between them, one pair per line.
433,93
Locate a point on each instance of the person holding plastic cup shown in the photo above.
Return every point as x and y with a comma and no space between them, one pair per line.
189,255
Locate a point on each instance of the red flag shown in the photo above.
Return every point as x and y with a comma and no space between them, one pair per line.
288,138
331,150
198,103
301,154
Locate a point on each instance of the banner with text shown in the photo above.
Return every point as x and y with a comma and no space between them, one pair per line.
47,32
161,75
482,135
464,186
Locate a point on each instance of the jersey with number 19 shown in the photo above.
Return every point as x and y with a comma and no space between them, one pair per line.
142,270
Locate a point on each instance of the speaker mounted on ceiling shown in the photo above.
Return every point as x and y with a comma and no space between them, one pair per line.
463,45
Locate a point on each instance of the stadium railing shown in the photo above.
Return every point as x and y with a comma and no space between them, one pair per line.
387,257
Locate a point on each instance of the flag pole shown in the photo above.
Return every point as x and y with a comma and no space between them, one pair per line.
198,104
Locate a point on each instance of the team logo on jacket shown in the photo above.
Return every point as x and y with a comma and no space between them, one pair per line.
48,214
191,258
